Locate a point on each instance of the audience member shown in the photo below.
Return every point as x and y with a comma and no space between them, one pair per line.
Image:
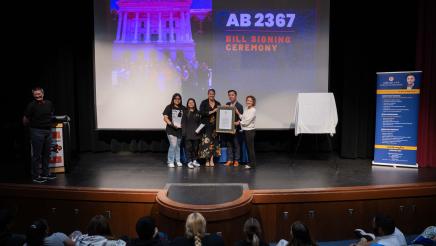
148,234
253,233
38,234
195,233
98,234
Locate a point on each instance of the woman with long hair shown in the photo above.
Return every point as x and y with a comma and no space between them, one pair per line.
98,234
300,235
209,146
195,233
190,122
252,231
172,114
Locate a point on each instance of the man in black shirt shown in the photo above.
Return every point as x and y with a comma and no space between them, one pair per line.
232,140
38,116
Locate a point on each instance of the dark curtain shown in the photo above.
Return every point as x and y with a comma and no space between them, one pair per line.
366,37
56,52
426,61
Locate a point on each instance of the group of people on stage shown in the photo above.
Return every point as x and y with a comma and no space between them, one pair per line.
197,128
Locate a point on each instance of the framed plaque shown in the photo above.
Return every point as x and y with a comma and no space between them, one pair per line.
225,120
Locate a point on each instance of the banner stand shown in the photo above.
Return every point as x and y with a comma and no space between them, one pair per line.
396,127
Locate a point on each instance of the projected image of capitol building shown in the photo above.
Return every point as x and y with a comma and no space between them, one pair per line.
156,31
164,24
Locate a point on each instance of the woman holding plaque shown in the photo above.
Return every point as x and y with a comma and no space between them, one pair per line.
209,147
248,124
173,118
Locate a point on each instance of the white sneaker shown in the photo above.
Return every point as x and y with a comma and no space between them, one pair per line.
190,165
247,166
195,163
171,165
179,164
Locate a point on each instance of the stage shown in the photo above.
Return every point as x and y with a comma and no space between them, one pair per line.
321,189
274,171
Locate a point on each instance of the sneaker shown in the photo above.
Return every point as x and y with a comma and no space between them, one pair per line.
236,163
247,166
171,165
50,176
179,164
39,180
228,163
190,165
195,163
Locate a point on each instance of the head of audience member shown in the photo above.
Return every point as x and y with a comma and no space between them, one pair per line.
99,226
383,225
232,95
191,104
195,227
211,94
300,235
250,101
176,100
146,228
252,231
37,232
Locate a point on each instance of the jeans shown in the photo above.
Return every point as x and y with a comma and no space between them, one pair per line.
41,141
249,140
174,149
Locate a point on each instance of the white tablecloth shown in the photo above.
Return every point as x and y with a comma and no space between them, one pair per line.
315,113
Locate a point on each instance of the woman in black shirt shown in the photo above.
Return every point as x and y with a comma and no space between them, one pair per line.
173,118
190,122
209,147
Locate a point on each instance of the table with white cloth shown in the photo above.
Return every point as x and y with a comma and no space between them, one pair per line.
315,113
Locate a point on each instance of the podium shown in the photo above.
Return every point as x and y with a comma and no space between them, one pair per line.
315,113
60,149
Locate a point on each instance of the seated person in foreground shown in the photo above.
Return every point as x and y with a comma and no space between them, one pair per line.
386,234
148,234
195,233
253,233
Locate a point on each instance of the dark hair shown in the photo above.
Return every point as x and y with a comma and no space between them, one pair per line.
211,89
236,93
37,88
174,96
252,98
99,225
145,228
384,222
300,235
252,231
410,74
195,104
36,233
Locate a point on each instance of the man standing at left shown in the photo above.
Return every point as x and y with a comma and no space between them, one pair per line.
38,116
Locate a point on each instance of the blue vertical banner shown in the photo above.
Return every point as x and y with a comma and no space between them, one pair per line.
396,127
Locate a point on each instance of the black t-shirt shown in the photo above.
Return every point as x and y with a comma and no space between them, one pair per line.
40,114
240,109
175,116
